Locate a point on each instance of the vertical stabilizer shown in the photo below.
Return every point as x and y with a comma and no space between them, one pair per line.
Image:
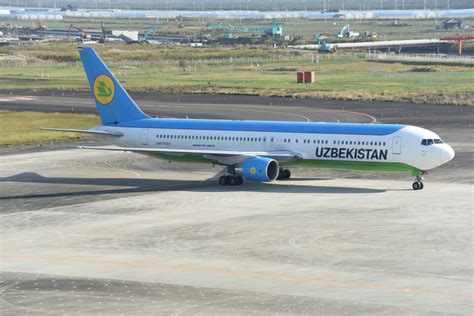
112,101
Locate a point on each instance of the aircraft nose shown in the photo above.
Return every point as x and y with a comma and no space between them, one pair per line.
447,153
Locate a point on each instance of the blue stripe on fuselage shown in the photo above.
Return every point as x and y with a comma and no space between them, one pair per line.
265,126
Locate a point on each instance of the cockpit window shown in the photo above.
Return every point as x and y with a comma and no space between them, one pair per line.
427,142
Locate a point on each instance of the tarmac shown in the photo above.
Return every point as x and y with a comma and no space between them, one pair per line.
87,232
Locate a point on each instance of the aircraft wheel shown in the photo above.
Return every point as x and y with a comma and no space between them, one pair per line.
239,180
222,180
422,186
280,174
286,174
232,180
417,185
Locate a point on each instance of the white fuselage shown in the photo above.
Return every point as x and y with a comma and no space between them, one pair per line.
402,147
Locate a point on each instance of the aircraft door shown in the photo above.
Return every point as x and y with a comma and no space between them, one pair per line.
269,142
145,136
397,145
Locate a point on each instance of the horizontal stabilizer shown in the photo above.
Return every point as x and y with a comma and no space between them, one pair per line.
84,131
272,154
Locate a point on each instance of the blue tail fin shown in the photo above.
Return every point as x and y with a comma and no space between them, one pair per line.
112,101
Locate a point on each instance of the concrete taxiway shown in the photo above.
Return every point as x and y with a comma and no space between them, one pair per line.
87,232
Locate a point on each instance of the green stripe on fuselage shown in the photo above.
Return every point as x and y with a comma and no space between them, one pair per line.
326,164
354,165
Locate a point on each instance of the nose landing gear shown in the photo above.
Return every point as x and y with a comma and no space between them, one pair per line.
418,184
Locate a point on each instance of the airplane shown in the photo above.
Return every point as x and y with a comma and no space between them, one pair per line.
259,151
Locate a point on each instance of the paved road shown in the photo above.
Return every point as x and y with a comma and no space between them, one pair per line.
87,232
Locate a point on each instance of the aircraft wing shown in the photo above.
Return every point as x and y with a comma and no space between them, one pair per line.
279,155
116,134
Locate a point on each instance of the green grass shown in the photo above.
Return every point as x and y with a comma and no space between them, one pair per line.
18,128
243,70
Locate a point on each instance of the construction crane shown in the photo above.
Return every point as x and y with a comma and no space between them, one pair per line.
84,38
144,38
323,46
83,35
276,30
346,32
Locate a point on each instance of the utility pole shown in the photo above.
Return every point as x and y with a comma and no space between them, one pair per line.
396,13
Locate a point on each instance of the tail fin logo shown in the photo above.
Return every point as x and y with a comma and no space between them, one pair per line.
104,89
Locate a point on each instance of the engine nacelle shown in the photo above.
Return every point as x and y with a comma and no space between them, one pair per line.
259,169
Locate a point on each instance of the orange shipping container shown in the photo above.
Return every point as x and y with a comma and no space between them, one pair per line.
309,76
305,77
300,77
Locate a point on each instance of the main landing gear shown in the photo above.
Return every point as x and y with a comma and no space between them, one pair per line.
284,174
418,184
229,179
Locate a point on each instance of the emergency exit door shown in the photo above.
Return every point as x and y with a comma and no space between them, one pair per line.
144,136
397,145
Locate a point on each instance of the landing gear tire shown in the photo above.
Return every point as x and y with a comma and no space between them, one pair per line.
284,174
222,180
418,184
239,180
231,180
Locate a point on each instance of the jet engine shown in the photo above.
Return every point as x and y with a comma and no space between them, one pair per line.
259,169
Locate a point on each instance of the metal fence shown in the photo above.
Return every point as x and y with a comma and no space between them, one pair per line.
438,58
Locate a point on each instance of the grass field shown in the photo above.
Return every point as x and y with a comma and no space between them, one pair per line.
241,70
18,128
